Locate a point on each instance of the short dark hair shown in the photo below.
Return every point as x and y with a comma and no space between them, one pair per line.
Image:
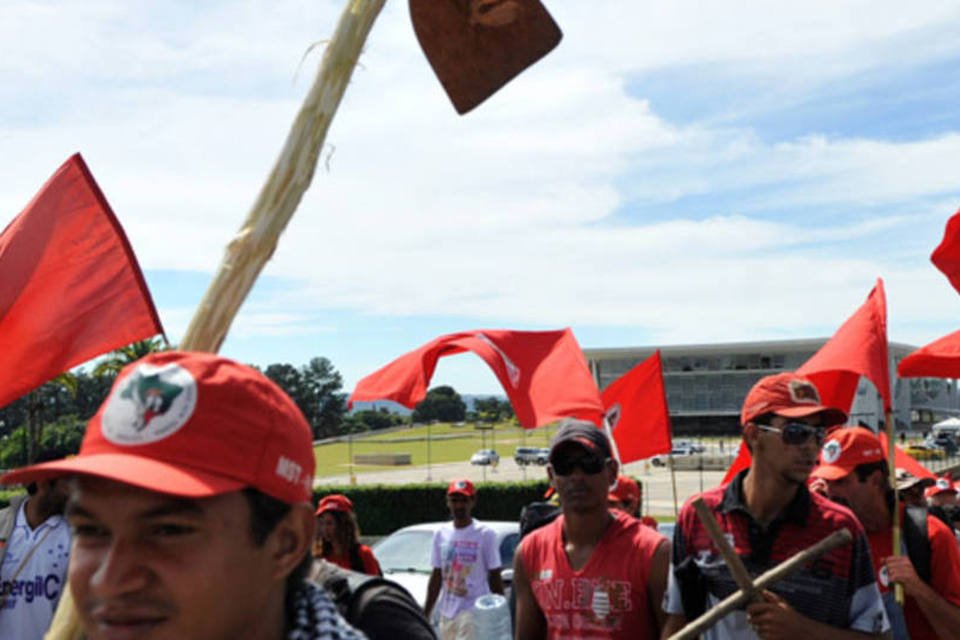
265,513
866,469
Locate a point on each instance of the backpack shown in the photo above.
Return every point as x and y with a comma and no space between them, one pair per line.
917,541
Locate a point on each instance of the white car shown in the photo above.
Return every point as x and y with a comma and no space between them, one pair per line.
679,449
485,457
404,555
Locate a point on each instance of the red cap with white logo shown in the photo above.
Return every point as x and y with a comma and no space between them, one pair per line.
195,425
845,450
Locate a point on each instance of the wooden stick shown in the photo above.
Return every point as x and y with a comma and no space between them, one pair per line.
892,475
734,563
248,252
781,571
251,248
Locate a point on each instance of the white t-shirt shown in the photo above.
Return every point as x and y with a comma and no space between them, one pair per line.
30,597
465,557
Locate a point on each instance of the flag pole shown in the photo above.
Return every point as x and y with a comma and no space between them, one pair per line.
895,516
673,481
251,248
613,443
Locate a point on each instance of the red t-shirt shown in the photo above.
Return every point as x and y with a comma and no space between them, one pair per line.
607,597
370,564
944,572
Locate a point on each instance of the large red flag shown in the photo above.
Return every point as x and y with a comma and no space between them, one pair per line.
939,359
543,372
946,256
70,286
636,408
858,348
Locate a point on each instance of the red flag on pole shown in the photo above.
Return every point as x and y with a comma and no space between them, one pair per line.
939,359
70,286
636,408
543,372
858,348
946,256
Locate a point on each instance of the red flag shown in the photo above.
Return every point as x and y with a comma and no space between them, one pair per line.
939,359
70,288
858,348
636,408
946,256
741,462
543,372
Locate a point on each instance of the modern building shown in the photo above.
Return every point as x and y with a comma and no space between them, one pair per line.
706,383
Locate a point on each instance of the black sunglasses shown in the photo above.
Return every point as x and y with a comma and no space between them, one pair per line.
796,432
590,465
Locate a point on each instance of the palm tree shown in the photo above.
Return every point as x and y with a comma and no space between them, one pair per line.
119,358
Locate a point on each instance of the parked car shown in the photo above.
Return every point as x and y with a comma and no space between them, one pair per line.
531,455
923,452
690,445
680,448
485,456
942,440
404,555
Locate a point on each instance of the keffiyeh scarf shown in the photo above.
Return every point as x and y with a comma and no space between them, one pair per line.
315,617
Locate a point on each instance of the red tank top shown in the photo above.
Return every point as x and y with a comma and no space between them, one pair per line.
607,597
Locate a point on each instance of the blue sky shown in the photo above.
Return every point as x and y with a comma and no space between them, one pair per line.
671,173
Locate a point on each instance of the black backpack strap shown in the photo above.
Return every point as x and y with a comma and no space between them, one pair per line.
356,562
917,539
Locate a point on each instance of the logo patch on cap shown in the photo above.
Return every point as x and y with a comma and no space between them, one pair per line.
943,484
151,404
802,392
613,416
831,451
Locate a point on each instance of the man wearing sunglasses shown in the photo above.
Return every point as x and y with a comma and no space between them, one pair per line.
855,469
591,573
768,515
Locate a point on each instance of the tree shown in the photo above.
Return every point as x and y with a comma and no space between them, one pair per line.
315,390
111,365
492,409
443,404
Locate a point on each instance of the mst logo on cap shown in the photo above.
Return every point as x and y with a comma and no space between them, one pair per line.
151,404
831,451
802,392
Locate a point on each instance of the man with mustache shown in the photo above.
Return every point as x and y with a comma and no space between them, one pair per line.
768,515
198,525
591,573
855,469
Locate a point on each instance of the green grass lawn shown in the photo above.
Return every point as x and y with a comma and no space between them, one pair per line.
448,443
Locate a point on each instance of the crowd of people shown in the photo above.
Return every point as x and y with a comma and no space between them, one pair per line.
188,514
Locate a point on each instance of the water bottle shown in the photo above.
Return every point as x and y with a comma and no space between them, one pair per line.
491,616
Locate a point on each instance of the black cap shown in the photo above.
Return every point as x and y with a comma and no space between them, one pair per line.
583,433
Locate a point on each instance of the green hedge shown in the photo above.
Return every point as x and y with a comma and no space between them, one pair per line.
382,509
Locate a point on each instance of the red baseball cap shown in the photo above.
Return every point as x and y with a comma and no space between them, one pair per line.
334,502
943,484
194,425
627,490
789,395
463,487
845,450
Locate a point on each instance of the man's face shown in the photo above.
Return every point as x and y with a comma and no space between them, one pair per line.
851,492
570,473
793,462
151,566
943,499
912,497
460,506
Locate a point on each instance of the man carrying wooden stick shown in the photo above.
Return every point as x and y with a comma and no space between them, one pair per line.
853,465
768,515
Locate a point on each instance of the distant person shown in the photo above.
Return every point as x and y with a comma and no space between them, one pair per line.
768,515
466,565
627,496
338,537
855,469
942,500
911,488
35,550
592,572
190,506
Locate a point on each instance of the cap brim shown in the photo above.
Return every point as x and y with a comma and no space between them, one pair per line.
145,473
831,472
828,415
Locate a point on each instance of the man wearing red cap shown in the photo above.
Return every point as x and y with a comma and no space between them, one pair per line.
855,469
190,506
466,564
591,573
942,498
768,515
627,496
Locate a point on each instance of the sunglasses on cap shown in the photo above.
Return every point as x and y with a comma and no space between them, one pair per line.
796,432
590,465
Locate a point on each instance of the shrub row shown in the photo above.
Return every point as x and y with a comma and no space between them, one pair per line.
382,509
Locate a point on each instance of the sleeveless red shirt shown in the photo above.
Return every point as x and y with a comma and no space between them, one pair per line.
607,597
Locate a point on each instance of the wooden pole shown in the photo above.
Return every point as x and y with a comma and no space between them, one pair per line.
734,563
252,246
895,516
781,571
673,481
